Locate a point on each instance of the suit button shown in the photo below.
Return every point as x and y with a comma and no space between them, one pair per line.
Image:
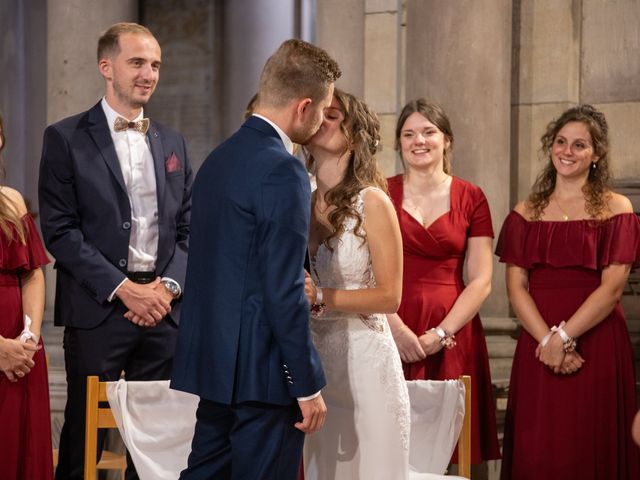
126,225
122,262
290,382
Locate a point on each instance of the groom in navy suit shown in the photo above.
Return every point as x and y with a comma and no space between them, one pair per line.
244,344
115,201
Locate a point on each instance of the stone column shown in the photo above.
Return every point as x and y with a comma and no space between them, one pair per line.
458,54
251,34
23,92
383,72
74,26
340,30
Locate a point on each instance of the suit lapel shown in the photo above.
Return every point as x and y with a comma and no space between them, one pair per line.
99,131
157,151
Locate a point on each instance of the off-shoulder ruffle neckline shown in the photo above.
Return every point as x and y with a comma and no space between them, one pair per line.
590,220
15,255
586,243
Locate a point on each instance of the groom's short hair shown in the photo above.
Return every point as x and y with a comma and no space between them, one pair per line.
297,70
109,42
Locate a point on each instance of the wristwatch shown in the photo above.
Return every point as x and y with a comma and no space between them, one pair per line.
172,287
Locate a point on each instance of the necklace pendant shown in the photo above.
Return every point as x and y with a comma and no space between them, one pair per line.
565,217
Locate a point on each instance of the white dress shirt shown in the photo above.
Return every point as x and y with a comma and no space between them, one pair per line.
136,164
288,144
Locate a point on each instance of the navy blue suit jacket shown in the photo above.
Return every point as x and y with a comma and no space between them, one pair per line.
86,217
244,334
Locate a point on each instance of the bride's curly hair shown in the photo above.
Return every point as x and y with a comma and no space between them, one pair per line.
361,128
596,188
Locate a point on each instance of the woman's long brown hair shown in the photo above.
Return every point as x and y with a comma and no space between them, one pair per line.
597,186
361,128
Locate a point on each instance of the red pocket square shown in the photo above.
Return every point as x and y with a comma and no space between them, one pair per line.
172,164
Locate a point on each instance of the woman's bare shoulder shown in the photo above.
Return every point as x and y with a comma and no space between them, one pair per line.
522,207
618,204
15,199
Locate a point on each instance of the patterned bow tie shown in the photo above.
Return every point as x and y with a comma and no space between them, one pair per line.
123,124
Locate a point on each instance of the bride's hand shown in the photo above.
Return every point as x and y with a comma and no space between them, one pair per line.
310,289
408,345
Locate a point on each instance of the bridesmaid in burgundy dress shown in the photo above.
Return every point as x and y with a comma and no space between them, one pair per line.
569,250
443,220
25,423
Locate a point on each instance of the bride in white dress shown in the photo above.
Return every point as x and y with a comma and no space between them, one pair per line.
356,264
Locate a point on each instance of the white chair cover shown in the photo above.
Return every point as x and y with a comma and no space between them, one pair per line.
156,425
437,414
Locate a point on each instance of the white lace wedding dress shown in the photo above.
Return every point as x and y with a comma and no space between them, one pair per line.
366,432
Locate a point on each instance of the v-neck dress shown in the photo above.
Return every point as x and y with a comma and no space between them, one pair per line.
565,427
432,281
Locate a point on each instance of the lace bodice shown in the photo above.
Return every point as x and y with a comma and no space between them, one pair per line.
348,266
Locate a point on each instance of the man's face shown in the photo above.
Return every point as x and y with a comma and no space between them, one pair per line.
132,75
313,118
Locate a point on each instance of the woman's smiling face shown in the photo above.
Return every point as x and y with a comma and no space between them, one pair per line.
422,144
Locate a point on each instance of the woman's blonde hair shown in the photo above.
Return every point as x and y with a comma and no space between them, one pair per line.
361,129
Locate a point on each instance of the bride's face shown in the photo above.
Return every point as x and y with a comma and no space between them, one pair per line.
330,138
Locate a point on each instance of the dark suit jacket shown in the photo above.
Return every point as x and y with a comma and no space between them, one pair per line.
244,334
86,217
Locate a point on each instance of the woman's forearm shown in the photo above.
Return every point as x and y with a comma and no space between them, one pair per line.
33,298
466,305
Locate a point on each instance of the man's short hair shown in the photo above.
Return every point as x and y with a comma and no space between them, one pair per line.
109,43
297,70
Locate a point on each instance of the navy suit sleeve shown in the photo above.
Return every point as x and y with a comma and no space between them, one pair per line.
61,222
177,266
283,235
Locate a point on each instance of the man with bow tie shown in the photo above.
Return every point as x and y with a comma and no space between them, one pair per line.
115,203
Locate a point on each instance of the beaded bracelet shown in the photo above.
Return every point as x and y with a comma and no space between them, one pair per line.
568,343
318,308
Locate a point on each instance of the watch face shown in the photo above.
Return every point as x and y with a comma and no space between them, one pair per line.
173,289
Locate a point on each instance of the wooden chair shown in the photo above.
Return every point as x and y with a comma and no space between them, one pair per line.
464,441
99,417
